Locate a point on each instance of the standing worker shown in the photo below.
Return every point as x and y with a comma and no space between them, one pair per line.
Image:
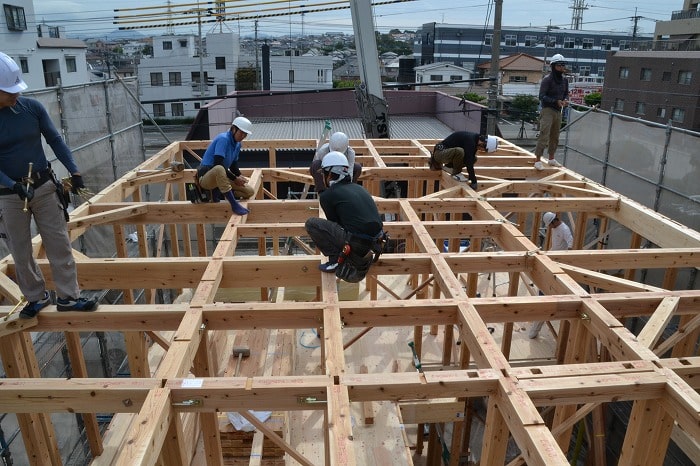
219,167
338,142
554,97
459,150
351,235
29,191
561,240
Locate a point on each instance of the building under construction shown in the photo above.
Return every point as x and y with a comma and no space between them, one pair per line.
424,362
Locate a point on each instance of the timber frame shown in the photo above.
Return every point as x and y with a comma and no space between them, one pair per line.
599,360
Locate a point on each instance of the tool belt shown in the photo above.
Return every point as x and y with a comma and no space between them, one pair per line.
358,255
38,178
196,194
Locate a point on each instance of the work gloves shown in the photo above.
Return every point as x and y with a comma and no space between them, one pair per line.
24,191
77,184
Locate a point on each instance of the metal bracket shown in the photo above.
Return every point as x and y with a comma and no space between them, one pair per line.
307,400
188,403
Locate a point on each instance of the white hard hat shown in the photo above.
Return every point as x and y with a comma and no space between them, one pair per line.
243,124
557,58
548,217
334,159
491,143
338,142
10,75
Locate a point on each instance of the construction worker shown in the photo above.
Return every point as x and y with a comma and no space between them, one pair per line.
459,150
561,240
219,167
352,228
554,95
338,142
29,191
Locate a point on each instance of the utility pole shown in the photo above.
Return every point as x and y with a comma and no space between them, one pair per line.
494,72
257,64
202,84
636,20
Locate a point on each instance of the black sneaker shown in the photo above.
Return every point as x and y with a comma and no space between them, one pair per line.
72,304
328,267
33,307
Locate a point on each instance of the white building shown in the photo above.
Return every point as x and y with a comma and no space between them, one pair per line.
174,73
47,58
440,72
301,73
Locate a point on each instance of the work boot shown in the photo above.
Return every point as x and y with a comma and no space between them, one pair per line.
73,304
539,166
553,163
32,308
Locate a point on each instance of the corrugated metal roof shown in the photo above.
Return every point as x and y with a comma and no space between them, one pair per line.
400,127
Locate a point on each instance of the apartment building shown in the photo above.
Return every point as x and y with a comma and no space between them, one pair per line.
47,57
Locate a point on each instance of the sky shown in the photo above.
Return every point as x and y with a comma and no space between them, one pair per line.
90,18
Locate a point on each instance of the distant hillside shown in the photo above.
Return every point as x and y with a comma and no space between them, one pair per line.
113,36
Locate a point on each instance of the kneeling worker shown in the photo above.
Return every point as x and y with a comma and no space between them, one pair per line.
338,142
219,167
351,235
459,150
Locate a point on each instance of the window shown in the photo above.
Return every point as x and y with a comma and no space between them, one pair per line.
587,44
14,16
158,110
550,41
291,76
619,105
569,42
456,77
220,63
584,70
517,79
624,45
661,112
488,38
221,89
606,44
601,71
183,43
624,72
678,114
645,74
196,105
666,76
685,77
639,108
167,45
24,64
530,41
511,40
436,77
177,109
71,67
175,78
157,80
195,77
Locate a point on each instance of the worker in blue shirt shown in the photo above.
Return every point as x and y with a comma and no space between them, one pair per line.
29,190
219,167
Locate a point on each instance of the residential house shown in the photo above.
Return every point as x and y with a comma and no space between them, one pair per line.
441,73
46,56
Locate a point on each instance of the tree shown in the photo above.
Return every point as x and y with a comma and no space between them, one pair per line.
471,97
593,99
524,107
246,79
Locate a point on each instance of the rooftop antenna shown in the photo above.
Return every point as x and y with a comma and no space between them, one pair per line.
169,28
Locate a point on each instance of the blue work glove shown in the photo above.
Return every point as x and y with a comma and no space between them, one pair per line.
77,184
23,191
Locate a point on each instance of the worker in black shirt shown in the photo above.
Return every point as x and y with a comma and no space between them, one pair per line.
459,150
351,234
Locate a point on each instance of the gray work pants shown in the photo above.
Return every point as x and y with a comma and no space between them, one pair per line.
15,225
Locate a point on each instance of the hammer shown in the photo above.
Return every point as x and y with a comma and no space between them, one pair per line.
416,360
241,352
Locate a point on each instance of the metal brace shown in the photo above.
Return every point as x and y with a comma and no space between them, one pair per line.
188,403
584,316
302,400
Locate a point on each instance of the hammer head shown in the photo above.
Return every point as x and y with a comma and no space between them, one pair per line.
242,351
